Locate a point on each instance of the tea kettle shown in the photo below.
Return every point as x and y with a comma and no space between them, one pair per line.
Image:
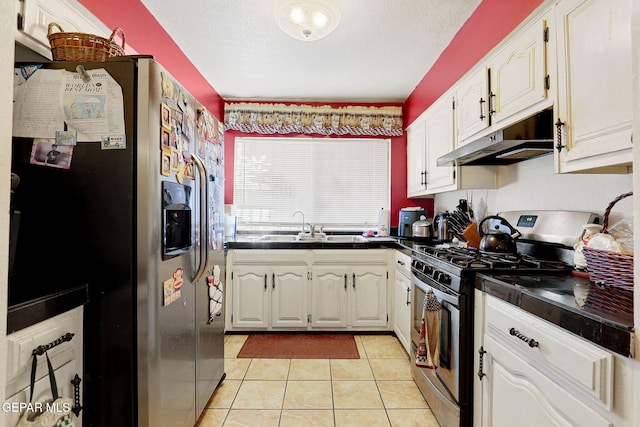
441,226
496,240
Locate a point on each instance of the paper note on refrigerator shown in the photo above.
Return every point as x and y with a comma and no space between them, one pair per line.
55,100
93,109
37,111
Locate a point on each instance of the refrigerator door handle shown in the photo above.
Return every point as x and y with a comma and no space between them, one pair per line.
204,216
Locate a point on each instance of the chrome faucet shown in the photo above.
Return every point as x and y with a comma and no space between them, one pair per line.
312,229
301,213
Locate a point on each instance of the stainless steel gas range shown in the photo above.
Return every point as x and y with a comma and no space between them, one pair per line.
448,274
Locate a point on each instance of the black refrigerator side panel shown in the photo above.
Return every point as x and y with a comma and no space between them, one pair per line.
110,320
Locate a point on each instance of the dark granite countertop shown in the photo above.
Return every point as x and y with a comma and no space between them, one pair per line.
25,314
254,242
561,301
557,299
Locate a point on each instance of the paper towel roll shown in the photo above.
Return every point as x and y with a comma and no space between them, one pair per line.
383,222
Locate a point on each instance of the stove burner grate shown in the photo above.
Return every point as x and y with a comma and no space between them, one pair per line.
474,259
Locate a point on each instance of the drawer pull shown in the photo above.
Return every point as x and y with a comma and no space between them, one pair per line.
516,333
41,349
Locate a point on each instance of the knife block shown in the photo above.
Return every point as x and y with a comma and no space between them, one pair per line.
471,235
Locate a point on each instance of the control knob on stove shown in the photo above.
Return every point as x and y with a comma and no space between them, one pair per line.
445,279
426,269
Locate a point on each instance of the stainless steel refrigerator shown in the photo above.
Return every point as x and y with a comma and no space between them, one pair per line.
139,221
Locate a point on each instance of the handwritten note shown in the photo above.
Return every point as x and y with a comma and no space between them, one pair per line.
54,100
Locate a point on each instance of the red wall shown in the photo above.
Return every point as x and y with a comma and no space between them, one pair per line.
486,27
144,34
491,22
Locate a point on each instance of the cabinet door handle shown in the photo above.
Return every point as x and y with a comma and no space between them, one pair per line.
423,178
408,293
77,407
400,262
516,333
345,281
265,281
559,144
482,116
492,103
273,280
353,276
481,373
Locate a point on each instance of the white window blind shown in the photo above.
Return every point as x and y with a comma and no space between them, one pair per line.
339,182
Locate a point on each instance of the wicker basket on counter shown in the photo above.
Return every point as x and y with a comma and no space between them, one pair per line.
81,47
611,274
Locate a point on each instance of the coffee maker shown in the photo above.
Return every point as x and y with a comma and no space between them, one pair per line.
407,217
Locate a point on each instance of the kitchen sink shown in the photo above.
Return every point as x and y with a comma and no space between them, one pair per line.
317,237
346,238
279,237
307,237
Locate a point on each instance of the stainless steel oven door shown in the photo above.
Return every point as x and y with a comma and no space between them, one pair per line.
446,376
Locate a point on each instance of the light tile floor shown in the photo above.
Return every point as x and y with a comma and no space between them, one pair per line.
375,390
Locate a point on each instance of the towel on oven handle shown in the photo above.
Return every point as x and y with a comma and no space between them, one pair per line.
428,353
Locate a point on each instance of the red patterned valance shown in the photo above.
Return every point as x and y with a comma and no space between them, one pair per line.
306,119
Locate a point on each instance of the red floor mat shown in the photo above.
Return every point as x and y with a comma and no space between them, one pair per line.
299,346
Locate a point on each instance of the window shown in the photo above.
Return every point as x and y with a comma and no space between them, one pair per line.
334,182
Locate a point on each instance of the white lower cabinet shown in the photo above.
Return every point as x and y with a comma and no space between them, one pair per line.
517,394
367,299
533,373
329,297
402,300
66,360
269,296
289,296
329,289
250,297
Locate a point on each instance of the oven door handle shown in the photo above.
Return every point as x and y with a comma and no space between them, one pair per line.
442,296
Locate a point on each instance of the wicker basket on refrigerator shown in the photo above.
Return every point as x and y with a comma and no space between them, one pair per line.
81,47
611,274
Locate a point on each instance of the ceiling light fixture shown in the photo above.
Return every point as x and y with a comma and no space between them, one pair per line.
307,20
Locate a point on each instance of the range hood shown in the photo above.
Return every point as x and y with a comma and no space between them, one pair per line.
526,139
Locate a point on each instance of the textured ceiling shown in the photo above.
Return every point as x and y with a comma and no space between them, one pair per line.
379,52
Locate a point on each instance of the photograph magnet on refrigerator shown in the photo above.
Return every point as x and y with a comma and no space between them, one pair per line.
113,142
66,137
168,293
46,152
166,163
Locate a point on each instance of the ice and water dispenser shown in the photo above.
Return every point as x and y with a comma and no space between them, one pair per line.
176,219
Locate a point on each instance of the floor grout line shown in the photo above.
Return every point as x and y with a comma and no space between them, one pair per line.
363,353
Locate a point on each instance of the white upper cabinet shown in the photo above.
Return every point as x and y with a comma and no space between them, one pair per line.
509,85
518,75
440,140
594,108
34,17
416,157
433,135
472,110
